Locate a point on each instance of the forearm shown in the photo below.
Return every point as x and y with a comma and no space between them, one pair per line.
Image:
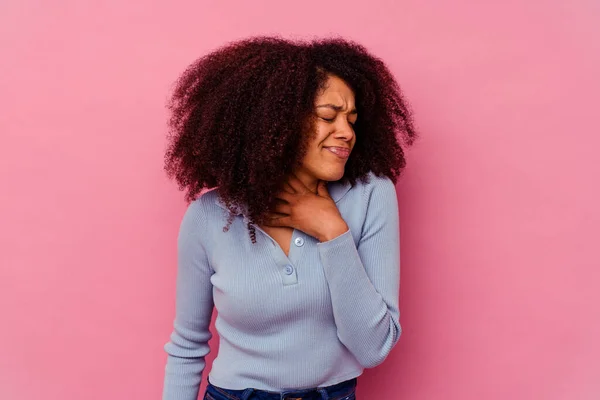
188,344
367,325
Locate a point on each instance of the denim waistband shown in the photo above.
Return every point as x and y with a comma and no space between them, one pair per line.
337,391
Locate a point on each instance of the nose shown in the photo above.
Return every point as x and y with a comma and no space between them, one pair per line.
345,132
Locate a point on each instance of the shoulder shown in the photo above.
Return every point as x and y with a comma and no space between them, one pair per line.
371,197
200,210
203,205
379,199
373,187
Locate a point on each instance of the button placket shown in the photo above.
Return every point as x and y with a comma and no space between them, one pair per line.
286,264
288,274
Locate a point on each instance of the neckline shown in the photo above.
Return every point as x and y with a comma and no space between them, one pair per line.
337,190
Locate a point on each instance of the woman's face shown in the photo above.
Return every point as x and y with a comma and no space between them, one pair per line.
334,137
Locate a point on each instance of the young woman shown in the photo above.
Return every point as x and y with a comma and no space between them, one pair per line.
297,246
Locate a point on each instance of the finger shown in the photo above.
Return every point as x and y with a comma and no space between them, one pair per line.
281,207
288,188
284,196
274,219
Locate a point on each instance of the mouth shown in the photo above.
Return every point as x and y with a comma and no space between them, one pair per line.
341,152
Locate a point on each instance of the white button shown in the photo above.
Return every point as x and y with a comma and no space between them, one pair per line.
299,241
289,269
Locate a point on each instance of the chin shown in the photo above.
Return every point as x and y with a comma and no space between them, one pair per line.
331,176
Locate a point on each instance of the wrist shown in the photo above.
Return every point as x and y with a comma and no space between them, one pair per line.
334,231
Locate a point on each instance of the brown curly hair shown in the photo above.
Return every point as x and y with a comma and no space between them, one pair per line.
241,117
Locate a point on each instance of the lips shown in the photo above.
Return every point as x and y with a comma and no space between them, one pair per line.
341,152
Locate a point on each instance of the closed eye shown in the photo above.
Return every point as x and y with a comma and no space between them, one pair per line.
333,119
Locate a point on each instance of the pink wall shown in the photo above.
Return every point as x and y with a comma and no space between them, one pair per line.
499,205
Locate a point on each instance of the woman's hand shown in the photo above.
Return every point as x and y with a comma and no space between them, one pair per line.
315,214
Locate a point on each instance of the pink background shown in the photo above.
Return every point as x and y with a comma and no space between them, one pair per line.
499,205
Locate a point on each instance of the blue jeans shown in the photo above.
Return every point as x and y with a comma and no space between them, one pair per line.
340,391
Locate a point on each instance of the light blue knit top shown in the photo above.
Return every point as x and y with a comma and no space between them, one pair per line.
314,318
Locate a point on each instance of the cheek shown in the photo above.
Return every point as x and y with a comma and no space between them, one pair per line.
314,150
321,132
314,156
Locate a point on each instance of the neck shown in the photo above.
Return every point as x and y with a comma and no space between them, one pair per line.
309,181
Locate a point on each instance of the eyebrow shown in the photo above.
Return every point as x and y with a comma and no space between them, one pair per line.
336,108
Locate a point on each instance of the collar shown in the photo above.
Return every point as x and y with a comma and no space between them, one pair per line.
337,190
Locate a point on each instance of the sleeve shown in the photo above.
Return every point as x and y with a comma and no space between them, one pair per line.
364,279
188,343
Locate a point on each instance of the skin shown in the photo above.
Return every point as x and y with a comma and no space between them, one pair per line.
304,202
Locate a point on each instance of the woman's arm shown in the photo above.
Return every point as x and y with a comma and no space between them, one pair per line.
188,343
364,279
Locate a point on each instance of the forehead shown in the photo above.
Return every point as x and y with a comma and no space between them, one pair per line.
336,91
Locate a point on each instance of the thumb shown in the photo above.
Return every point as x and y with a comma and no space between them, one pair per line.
322,189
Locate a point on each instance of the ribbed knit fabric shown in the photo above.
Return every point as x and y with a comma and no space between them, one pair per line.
314,318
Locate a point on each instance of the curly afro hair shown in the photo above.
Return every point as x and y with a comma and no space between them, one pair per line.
241,117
